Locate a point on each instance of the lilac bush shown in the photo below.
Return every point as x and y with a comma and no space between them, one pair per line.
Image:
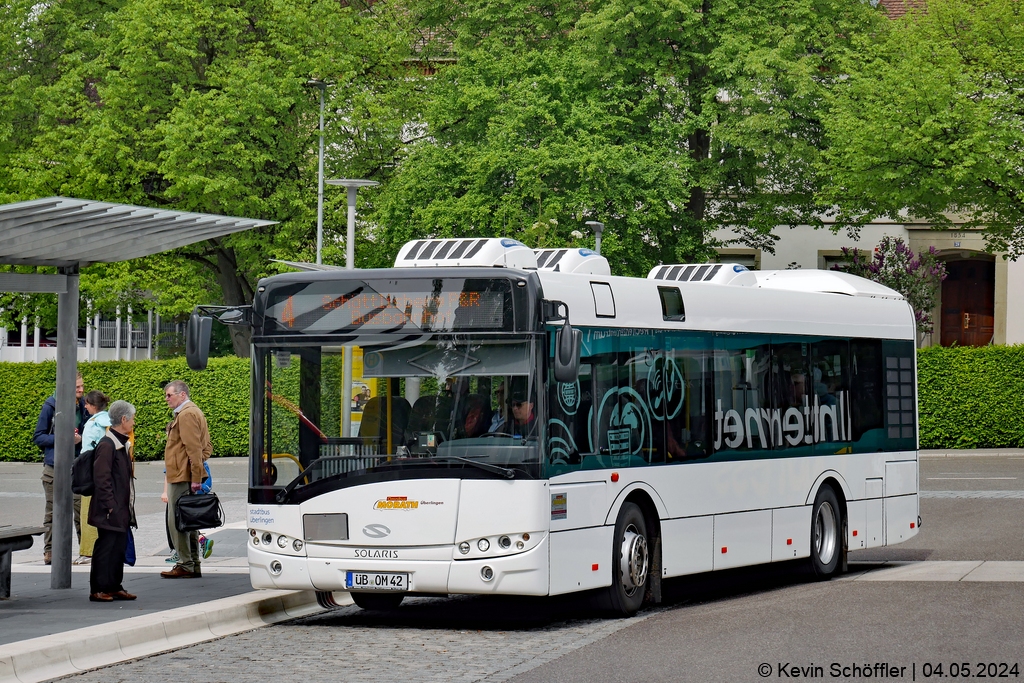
894,264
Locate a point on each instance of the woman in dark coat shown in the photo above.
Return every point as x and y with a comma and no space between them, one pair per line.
112,510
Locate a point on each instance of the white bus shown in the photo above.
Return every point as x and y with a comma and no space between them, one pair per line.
541,427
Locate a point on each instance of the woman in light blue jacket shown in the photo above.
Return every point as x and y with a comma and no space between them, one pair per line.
96,426
94,429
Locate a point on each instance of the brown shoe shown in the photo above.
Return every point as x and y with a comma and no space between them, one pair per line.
123,595
179,572
47,558
198,573
101,597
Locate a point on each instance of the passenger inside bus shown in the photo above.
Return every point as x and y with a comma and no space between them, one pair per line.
477,417
499,417
524,420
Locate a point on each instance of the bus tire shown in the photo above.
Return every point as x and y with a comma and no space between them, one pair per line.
826,533
631,562
378,601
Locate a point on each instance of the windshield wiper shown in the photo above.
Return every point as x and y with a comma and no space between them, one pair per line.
505,472
283,494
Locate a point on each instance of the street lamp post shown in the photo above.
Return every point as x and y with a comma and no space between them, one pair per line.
598,228
322,87
350,263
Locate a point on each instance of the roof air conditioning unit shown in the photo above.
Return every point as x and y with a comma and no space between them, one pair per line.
707,273
572,261
488,252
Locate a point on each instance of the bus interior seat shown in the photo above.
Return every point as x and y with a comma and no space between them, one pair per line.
426,409
374,422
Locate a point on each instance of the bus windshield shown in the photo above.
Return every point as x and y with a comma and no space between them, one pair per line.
454,405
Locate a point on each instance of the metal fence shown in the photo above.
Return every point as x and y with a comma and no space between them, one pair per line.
136,335
343,455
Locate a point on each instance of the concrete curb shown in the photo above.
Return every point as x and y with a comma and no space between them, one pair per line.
72,652
972,453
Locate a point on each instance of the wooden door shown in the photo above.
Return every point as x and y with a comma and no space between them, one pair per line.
968,303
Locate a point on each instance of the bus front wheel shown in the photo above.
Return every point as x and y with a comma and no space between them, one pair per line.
630,562
826,533
377,601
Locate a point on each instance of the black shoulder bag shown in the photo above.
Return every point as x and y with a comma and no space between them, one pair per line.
197,511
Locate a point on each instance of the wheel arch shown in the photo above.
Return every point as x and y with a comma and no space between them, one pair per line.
633,493
838,484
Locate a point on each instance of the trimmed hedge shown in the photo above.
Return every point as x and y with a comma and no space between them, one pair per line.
222,391
971,397
968,398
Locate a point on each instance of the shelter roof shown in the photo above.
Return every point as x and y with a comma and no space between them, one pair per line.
59,231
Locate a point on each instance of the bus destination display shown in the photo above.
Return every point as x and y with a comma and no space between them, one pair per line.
366,309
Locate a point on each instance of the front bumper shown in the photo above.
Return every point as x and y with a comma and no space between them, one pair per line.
524,573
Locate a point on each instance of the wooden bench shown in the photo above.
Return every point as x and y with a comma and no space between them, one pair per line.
13,538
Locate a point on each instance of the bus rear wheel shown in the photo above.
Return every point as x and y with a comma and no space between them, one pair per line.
378,601
630,562
826,533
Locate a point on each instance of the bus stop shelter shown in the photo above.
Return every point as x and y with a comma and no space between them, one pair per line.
69,234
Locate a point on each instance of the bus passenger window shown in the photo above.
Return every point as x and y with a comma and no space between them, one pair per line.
742,372
791,386
831,390
867,393
686,398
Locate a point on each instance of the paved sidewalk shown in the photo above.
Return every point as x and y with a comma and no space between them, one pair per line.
36,610
47,633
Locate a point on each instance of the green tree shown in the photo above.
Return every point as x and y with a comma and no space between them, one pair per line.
195,106
930,121
664,120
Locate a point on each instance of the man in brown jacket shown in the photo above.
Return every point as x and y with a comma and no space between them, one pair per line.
188,446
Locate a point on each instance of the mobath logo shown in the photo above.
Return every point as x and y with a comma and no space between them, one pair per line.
396,503
376,530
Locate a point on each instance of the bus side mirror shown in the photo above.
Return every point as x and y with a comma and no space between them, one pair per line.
567,353
197,341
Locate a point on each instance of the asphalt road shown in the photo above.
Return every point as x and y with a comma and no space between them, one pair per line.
729,626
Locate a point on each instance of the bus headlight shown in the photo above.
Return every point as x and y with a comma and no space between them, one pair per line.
276,568
464,548
484,545
486,573
282,541
297,545
505,542
267,538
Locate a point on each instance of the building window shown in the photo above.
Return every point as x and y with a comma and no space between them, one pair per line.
750,258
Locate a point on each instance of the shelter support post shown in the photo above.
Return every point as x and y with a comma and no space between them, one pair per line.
64,429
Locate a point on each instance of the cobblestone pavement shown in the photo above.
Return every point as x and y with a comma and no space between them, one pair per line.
459,639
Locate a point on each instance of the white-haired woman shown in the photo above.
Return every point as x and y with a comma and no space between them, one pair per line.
112,510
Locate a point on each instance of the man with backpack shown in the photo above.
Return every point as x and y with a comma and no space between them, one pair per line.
44,438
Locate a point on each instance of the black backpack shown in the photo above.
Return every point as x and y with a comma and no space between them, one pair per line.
81,474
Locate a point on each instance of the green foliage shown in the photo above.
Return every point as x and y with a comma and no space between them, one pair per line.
664,120
222,392
929,121
971,397
195,106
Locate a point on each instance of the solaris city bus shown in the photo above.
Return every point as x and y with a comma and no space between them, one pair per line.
540,427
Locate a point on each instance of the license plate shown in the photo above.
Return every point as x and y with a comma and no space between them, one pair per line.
376,581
